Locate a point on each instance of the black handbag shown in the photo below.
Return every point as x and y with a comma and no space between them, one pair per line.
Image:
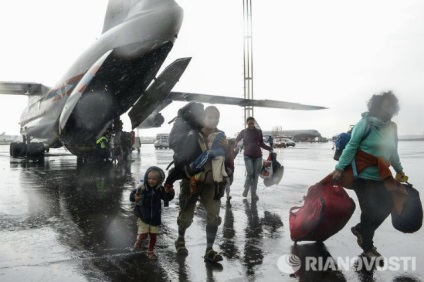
277,172
411,218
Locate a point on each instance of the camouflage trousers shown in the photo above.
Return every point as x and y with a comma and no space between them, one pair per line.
187,203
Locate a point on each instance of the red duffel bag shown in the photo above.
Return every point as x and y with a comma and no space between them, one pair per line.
326,210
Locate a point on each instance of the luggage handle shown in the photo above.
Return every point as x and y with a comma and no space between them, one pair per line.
293,208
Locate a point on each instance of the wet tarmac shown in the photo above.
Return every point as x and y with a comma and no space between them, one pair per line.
60,221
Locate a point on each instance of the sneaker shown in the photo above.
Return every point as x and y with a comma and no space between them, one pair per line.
358,235
374,257
212,256
255,197
371,253
246,190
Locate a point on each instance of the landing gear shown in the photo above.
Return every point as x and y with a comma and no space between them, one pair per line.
26,149
17,149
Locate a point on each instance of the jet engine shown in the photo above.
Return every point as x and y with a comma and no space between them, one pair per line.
153,120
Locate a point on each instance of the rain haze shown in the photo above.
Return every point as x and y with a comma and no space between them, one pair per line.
327,53
65,216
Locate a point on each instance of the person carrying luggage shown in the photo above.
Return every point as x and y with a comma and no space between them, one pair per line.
374,186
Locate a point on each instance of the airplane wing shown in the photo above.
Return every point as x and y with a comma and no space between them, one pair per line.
22,88
145,113
213,99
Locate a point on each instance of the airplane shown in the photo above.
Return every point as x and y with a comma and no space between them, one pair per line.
6,139
117,74
298,134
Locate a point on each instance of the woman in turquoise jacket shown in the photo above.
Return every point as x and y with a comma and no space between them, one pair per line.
376,135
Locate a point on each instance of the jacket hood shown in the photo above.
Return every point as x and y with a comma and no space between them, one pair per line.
158,169
376,122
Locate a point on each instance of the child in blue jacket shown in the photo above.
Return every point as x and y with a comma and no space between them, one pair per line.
148,207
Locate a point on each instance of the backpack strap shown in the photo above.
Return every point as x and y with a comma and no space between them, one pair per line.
355,171
172,120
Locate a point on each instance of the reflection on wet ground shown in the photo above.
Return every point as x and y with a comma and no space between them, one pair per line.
316,250
63,221
253,254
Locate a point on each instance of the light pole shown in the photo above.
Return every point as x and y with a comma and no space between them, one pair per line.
248,56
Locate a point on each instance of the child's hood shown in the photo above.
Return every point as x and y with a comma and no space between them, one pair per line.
155,168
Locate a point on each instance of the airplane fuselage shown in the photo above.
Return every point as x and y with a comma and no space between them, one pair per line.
117,74
106,80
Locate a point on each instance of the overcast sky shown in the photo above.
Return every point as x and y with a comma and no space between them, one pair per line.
327,53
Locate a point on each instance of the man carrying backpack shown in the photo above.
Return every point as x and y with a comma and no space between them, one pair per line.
190,118
207,190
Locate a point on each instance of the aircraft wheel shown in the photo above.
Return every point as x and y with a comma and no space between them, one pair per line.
17,149
36,150
12,149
